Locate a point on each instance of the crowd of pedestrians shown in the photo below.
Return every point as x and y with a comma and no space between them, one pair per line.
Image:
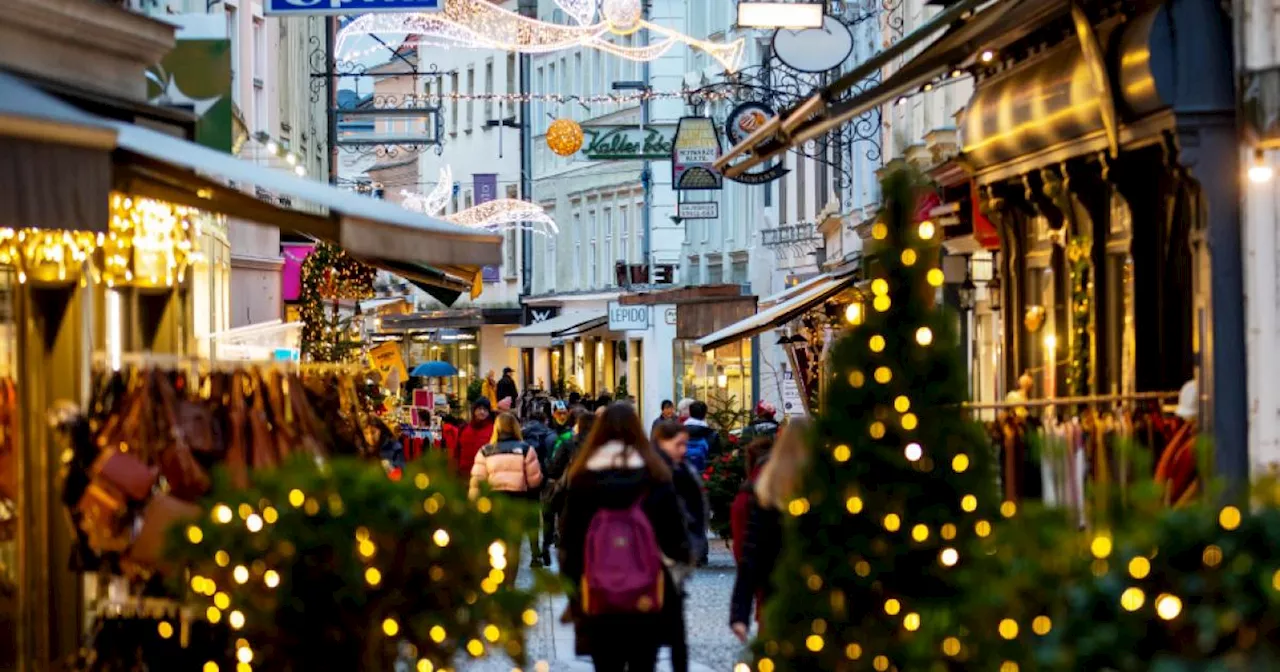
627,513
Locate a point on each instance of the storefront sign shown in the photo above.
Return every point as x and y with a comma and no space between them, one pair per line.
536,314
299,7
628,318
744,120
669,316
386,359
628,142
792,403
702,210
697,146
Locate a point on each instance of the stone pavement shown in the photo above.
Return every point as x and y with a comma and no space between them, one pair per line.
712,646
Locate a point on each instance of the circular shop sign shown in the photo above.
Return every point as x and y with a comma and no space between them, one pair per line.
746,119
814,49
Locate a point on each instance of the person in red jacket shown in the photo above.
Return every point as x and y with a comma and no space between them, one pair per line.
740,510
476,435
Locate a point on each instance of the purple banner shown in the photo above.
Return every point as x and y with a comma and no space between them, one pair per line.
485,186
291,276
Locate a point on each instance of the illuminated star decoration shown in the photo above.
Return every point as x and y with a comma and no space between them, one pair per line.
479,24
501,214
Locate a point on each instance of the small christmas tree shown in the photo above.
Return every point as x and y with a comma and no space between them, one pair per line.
900,494
329,275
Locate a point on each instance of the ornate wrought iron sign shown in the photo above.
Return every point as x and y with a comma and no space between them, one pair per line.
696,148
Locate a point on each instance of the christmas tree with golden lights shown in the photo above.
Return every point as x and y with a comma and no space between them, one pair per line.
900,495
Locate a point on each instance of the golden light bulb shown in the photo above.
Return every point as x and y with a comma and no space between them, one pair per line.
960,463
271,578
908,257
857,379
1008,628
913,452
982,528
969,503
194,534
883,375
876,343
951,646
935,277
911,621
853,313
222,514
1041,625
441,538
909,421
1168,606
854,505
901,404
876,430
1100,546
296,498
373,576
1132,598
949,557
240,574
1229,518
892,522
236,620
920,532
879,286
879,231
924,336
1008,509
926,230
842,453
892,607
881,303
390,627
1139,567
813,643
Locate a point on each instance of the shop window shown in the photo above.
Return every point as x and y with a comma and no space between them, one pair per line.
715,273
738,274
721,378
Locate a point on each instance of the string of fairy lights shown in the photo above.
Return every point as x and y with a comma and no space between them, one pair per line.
710,94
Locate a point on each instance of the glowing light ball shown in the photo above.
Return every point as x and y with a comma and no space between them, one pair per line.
564,137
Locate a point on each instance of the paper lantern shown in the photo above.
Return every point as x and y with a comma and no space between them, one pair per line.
564,137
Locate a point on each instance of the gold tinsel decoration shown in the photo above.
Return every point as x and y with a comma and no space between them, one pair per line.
564,137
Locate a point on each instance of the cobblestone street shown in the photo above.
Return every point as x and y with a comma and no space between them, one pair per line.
712,647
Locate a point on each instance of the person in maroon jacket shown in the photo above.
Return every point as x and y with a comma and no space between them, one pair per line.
740,511
476,435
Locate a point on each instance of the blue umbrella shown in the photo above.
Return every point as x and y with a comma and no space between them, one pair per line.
434,370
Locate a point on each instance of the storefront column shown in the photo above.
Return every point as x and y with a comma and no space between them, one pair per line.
53,349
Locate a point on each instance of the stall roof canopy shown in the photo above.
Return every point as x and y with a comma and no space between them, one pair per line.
544,334
787,306
363,226
965,29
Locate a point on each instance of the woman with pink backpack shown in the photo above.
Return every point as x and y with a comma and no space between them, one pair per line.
622,526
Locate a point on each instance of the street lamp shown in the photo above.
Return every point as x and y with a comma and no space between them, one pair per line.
993,292
966,293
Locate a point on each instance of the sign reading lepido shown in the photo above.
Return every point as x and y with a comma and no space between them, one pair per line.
350,6
628,318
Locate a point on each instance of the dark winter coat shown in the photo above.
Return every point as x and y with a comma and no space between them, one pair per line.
506,389
740,513
760,552
700,430
693,498
762,428
542,439
565,448
615,479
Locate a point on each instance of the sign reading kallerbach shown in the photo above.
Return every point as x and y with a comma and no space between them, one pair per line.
622,143
349,6
628,318
695,150
744,120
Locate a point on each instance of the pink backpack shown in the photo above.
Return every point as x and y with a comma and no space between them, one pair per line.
622,565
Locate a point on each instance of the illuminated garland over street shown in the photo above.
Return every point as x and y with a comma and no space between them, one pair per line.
479,24
498,214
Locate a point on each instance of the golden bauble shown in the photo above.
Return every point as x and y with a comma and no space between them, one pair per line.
564,137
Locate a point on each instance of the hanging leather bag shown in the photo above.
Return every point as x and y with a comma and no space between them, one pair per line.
187,479
263,452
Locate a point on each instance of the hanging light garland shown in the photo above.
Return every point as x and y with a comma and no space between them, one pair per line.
147,243
705,93
477,24
497,215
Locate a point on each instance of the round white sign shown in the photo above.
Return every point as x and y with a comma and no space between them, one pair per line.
814,49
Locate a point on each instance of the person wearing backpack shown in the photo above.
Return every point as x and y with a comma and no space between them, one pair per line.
622,523
704,441
671,438
778,484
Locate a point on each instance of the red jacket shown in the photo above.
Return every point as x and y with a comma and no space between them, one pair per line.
740,512
470,441
449,443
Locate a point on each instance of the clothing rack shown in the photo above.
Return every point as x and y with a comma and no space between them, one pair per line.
1071,401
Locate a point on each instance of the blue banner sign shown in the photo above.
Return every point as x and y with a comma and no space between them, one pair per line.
299,7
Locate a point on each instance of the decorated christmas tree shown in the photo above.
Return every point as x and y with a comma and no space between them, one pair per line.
899,498
330,276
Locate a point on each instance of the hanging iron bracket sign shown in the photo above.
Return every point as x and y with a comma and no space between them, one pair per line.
302,7
695,150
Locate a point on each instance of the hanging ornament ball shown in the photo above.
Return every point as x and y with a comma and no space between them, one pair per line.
623,16
564,137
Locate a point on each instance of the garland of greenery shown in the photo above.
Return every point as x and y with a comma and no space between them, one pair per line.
1081,269
338,567
330,275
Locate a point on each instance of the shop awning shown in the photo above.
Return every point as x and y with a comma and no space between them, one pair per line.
963,32
436,282
791,305
363,226
544,334
55,162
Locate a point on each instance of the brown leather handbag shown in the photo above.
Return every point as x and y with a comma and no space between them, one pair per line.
263,451
237,461
187,479
102,512
283,423
310,430
124,474
160,514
